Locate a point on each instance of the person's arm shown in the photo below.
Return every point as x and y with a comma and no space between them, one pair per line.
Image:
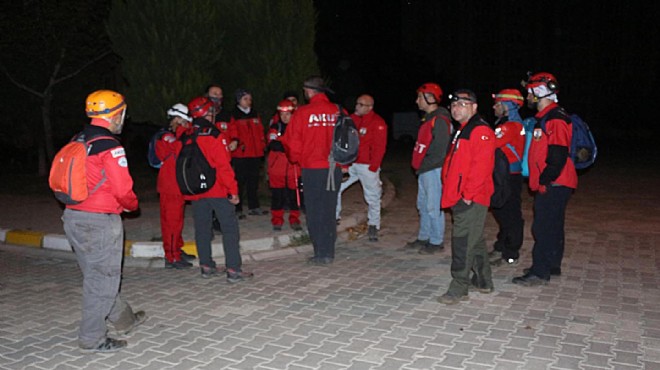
558,143
115,166
379,144
480,171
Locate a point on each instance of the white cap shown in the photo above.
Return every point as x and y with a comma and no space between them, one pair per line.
179,110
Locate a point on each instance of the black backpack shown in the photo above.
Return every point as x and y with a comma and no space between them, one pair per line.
345,144
194,174
501,180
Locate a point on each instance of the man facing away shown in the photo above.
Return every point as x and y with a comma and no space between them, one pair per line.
366,168
94,227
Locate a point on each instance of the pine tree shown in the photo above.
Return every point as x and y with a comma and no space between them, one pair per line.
168,50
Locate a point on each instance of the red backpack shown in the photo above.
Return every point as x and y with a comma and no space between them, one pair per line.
68,173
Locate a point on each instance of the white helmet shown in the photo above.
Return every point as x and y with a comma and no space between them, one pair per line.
179,110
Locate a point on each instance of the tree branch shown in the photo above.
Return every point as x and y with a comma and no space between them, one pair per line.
72,74
18,84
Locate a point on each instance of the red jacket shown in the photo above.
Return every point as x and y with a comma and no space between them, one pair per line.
107,162
166,150
373,139
468,169
511,134
309,136
214,146
544,148
432,141
281,172
249,131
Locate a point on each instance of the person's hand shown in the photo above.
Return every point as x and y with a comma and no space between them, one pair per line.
233,199
542,189
344,170
468,202
233,145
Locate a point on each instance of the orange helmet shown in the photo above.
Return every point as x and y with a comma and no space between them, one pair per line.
512,95
541,78
104,104
199,106
433,89
286,106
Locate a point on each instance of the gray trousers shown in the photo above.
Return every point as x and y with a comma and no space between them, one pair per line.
203,210
98,240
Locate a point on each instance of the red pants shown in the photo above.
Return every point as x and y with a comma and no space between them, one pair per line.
171,225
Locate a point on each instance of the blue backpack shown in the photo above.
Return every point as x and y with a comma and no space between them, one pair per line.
153,159
583,150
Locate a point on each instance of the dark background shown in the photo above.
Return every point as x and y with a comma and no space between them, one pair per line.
604,55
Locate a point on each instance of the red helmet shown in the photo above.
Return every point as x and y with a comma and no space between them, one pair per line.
433,89
200,106
512,95
286,106
542,78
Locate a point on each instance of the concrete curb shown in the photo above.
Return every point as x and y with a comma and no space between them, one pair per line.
148,254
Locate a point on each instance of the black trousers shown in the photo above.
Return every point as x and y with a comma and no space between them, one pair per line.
282,197
321,205
548,229
509,217
247,177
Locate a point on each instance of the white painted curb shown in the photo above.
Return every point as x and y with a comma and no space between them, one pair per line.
3,235
56,242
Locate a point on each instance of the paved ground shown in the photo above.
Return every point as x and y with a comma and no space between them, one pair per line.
375,308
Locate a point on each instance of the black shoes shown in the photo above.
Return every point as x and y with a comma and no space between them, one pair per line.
108,346
416,244
179,265
431,248
320,261
530,280
234,276
187,257
372,233
257,212
554,271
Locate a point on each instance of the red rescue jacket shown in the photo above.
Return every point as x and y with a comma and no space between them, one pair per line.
510,136
373,139
248,130
558,132
468,169
107,162
166,150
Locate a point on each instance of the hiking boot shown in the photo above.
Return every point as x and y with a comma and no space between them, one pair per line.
505,262
187,257
372,233
451,299
277,227
108,346
178,265
431,248
138,318
234,276
416,244
555,271
530,280
494,256
257,212
208,271
296,226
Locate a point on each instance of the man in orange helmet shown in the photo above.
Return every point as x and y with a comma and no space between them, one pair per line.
94,227
510,138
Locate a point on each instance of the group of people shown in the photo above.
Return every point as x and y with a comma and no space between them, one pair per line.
454,162
453,158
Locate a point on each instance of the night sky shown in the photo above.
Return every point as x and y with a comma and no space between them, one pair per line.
605,55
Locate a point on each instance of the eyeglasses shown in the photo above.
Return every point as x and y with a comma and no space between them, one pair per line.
461,104
362,105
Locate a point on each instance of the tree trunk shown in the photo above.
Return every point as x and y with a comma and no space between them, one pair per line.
42,171
48,126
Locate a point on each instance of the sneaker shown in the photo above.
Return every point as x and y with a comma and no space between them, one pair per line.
179,265
257,212
505,262
431,248
296,226
187,257
372,233
208,271
277,227
234,276
416,244
108,346
530,280
451,299
138,318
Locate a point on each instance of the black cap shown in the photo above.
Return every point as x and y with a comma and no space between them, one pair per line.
317,83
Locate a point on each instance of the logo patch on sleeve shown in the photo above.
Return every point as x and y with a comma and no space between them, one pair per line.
122,162
118,152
